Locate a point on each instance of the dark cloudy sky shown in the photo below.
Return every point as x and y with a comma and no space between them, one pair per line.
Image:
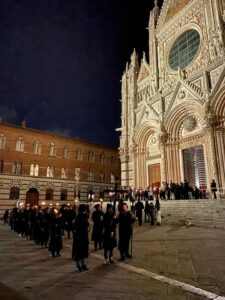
61,62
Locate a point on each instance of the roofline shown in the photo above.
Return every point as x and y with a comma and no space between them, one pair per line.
55,134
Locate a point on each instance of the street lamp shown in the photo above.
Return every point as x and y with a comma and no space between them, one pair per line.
101,202
77,178
116,182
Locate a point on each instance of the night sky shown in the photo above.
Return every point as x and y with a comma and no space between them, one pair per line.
61,63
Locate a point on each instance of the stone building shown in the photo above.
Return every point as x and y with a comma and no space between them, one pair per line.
38,167
173,107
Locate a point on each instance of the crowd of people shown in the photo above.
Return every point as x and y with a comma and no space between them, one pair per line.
172,191
46,227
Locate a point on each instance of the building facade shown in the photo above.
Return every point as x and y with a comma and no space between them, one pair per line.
173,107
37,167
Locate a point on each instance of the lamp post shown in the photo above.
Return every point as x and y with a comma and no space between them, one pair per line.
116,182
77,178
101,202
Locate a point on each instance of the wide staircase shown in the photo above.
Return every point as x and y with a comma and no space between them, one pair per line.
202,213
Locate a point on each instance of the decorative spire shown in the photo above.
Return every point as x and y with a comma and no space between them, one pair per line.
156,3
144,56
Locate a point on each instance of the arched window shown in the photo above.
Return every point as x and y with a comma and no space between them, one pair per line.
66,151
19,144
63,196
102,176
1,166
90,175
31,170
37,147
14,193
52,171
78,154
2,141
52,151
48,172
49,194
64,173
36,170
102,158
113,160
90,156
16,168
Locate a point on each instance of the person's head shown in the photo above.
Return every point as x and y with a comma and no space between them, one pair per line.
82,209
124,207
109,208
97,206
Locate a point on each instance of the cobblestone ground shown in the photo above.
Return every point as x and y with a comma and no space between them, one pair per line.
184,262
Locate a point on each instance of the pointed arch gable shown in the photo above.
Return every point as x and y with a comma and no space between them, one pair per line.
142,134
176,117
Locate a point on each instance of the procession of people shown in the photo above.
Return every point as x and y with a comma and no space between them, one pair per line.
108,229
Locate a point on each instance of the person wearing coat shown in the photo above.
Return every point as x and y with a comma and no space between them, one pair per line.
55,243
97,232
80,238
125,220
109,234
139,206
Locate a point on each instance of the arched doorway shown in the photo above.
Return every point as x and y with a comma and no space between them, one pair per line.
32,197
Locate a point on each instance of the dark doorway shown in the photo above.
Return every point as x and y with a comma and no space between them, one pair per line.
32,197
194,166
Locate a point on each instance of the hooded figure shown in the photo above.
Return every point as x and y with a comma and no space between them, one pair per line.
109,235
80,238
97,233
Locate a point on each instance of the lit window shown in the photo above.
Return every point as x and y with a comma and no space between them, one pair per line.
90,176
90,156
78,154
19,144
102,177
102,158
2,141
16,168
52,151
37,147
65,152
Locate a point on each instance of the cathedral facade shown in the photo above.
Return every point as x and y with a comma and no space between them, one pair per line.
173,107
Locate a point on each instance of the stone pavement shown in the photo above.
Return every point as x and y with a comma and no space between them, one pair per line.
186,263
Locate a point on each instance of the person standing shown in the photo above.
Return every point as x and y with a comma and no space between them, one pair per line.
158,212
55,243
97,232
109,234
80,238
6,217
139,206
125,220
213,188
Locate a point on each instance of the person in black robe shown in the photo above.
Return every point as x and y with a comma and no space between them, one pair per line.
80,238
6,217
55,243
139,206
109,234
97,232
125,220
